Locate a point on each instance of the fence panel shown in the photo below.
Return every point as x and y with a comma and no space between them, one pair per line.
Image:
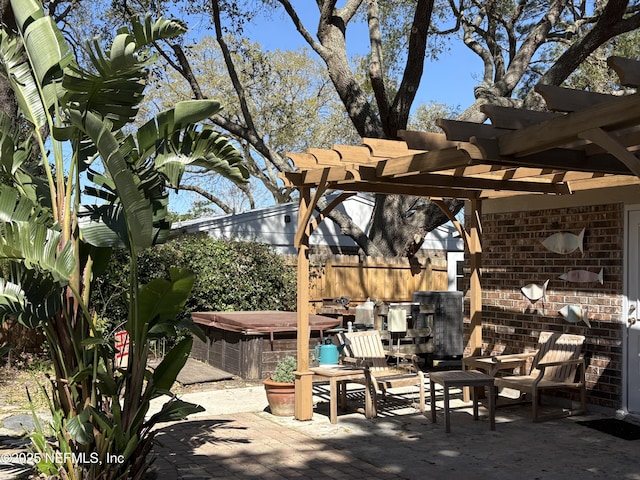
382,280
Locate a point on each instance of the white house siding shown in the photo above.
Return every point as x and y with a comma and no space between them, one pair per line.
276,226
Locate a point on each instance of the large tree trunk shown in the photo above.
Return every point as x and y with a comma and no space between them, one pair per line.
391,226
402,222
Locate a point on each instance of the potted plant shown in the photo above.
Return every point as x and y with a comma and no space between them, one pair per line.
280,388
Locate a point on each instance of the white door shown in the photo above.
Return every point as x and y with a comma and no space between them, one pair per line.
633,326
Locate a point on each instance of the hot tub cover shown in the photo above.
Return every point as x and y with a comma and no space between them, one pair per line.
265,321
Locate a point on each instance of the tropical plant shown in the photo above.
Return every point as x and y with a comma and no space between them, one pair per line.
55,243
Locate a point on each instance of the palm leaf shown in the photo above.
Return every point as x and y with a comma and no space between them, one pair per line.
116,89
114,95
162,300
213,151
21,79
80,428
103,226
23,10
38,247
42,36
173,142
167,122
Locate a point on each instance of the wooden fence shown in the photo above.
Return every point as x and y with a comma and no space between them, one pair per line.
388,280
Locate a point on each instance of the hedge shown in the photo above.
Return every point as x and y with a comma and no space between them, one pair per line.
230,276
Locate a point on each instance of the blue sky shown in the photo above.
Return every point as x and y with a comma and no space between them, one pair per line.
450,79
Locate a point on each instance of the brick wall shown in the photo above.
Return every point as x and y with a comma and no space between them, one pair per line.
513,256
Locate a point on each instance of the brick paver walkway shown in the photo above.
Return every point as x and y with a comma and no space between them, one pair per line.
393,446
250,445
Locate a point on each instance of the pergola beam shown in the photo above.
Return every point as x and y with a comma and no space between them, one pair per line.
628,70
609,143
618,112
424,162
562,99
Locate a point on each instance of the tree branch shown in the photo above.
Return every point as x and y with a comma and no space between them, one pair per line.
333,51
235,80
414,67
212,198
313,43
610,24
187,72
353,231
537,36
376,67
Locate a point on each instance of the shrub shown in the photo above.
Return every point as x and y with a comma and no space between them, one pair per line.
230,276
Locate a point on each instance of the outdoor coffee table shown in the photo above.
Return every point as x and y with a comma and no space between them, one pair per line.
462,378
338,377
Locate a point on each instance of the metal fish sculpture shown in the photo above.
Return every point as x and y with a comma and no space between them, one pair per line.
583,276
564,242
535,291
575,314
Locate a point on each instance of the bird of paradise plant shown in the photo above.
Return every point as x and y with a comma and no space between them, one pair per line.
53,242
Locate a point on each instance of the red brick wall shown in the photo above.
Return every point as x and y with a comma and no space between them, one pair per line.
513,256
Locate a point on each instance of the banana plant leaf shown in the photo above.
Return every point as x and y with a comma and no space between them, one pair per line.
26,237
29,302
165,374
162,300
35,84
80,428
120,73
137,210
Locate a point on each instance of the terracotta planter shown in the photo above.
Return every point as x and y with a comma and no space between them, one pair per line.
281,398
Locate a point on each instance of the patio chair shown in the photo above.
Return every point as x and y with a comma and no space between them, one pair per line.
366,349
556,364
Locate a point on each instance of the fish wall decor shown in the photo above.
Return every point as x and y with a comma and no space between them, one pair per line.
583,276
564,242
535,291
575,314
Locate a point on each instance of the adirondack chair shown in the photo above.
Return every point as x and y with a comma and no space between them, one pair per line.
366,349
556,364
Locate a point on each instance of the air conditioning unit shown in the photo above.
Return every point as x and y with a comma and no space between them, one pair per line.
442,312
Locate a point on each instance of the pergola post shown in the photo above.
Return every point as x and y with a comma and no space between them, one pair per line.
472,237
304,377
475,256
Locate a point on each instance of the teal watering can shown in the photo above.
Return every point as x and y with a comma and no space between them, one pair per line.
327,354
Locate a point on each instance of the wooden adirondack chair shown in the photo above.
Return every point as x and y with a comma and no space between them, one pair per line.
557,363
366,349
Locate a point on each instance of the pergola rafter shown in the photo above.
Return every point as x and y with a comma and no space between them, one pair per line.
585,141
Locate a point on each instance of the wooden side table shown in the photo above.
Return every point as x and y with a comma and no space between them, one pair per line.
338,377
462,378
492,365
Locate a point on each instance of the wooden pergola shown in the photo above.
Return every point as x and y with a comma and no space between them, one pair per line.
584,141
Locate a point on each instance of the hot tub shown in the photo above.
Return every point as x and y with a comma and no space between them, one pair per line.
251,344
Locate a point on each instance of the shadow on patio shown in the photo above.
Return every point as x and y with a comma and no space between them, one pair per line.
399,443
